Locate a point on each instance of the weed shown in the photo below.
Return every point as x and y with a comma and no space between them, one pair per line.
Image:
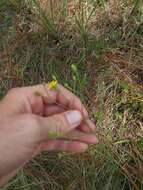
95,49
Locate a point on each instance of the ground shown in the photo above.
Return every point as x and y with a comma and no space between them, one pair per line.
95,49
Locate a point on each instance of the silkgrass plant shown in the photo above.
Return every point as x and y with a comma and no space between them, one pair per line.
46,22
99,57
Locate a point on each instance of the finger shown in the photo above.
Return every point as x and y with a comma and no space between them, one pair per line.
59,124
52,109
62,96
83,127
68,99
82,137
87,126
63,145
48,95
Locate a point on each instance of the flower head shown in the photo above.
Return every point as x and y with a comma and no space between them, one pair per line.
52,84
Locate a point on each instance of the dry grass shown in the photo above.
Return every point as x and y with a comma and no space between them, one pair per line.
104,40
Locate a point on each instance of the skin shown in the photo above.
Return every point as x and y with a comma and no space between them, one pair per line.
28,117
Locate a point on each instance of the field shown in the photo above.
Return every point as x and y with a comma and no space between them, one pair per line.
95,49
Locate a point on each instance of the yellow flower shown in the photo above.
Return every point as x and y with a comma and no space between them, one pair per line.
53,84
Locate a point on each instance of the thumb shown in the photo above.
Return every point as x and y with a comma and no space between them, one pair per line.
59,124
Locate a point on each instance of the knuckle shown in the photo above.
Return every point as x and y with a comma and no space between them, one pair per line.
19,90
13,90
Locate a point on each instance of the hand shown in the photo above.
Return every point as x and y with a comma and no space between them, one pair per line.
36,119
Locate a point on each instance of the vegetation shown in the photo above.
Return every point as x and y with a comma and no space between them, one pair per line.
94,48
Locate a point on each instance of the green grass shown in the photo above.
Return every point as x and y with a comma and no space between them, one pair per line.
94,48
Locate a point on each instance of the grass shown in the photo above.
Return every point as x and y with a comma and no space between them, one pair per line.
94,48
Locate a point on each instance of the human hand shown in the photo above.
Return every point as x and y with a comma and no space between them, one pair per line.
36,119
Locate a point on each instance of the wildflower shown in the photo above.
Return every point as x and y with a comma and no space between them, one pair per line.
52,84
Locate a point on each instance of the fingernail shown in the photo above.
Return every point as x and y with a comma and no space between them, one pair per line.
74,117
83,147
94,140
